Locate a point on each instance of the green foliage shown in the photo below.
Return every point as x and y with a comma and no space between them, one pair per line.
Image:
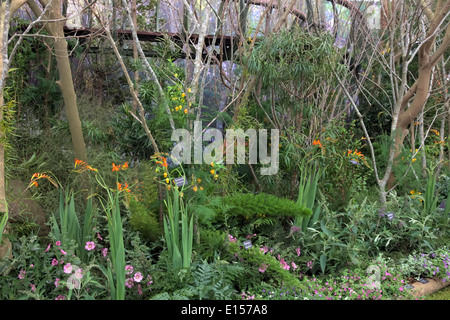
212,244
292,55
255,212
274,274
144,220
70,230
202,281
347,170
3,222
144,204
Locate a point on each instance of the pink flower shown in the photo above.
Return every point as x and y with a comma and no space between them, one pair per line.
78,273
138,277
262,268
67,268
58,243
63,252
284,265
33,287
60,297
139,290
298,251
98,235
264,249
129,282
57,282
151,281
48,248
105,251
129,269
89,246
22,274
54,262
293,265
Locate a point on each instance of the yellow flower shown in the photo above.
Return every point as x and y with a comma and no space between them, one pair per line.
212,171
183,94
412,192
181,194
216,176
195,189
167,180
199,180
185,111
212,164
189,90
165,174
176,75
168,187
414,159
201,188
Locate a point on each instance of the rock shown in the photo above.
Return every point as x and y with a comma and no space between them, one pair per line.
23,207
5,247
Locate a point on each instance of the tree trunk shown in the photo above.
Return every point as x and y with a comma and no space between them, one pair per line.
65,82
7,8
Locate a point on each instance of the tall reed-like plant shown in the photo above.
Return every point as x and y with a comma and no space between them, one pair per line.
178,221
3,223
115,272
179,244
431,198
70,229
307,191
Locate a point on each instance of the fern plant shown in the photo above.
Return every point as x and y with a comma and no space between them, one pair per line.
258,210
207,281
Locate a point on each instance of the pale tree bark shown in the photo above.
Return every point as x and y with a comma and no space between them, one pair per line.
407,24
413,101
135,51
147,65
134,93
7,9
54,27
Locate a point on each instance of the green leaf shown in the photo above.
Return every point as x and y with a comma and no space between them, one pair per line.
323,262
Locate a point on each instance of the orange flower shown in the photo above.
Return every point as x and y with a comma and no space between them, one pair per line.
317,142
37,176
125,166
164,164
78,162
115,168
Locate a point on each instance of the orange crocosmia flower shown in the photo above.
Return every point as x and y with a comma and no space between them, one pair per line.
317,142
78,162
90,168
34,183
125,166
115,168
164,164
